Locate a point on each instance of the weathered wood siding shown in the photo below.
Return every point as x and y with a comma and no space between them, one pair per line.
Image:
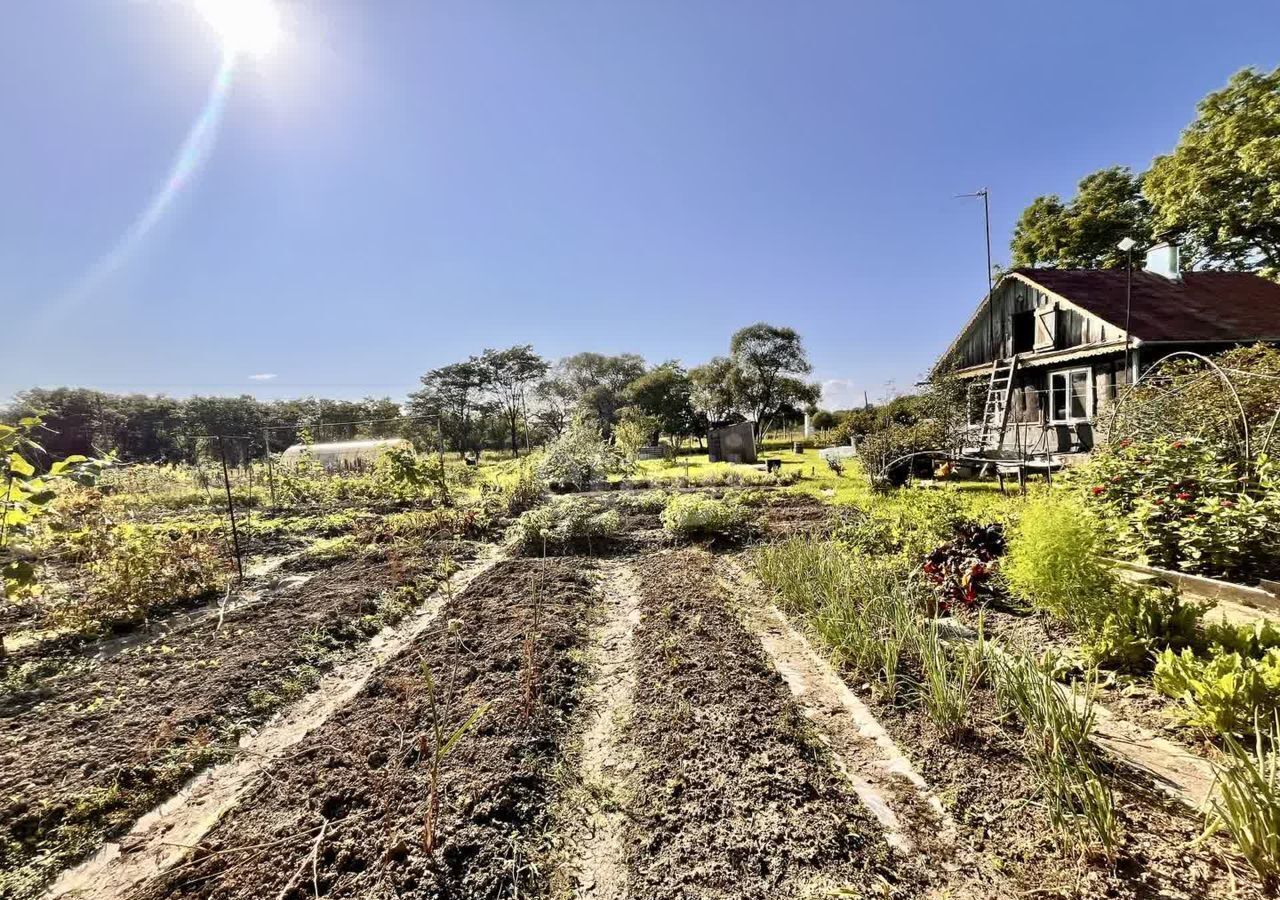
1057,327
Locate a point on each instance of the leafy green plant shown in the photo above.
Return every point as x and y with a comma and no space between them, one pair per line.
1246,800
134,569
694,515
580,457
25,495
1224,692
1143,621
564,523
1190,504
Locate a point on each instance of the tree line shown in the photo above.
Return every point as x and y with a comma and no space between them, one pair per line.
1217,192
512,398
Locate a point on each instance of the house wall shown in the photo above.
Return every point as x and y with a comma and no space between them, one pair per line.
1057,327
1029,427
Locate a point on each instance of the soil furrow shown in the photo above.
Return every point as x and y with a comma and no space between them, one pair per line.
736,796
163,836
98,747
881,774
434,781
592,807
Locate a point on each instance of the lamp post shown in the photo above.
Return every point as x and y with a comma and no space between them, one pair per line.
1127,244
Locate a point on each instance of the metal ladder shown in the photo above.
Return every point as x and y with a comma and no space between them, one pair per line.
995,415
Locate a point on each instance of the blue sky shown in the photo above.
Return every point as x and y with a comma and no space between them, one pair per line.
403,183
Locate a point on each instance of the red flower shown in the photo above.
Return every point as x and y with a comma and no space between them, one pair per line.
1158,502
1097,489
1178,445
1184,496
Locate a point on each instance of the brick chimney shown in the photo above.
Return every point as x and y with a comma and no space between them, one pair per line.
1162,260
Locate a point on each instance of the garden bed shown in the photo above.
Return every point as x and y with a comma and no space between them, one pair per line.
347,812
104,731
735,794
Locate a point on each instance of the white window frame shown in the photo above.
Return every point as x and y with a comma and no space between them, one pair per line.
1053,395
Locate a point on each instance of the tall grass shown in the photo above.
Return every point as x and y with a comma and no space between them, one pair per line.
950,677
1246,800
1058,727
864,608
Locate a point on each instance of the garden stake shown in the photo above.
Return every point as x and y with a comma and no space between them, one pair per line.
231,509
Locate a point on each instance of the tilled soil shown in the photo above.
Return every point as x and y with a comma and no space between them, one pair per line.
352,812
735,796
120,731
1006,846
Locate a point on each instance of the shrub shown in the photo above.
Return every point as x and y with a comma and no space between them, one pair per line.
566,522
694,515
1055,560
135,569
1189,504
579,458
642,501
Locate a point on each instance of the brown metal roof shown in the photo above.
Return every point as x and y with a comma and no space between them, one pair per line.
1202,306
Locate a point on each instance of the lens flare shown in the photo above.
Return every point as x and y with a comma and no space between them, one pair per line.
194,151
245,26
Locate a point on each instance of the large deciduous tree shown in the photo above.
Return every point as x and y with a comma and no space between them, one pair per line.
663,394
509,374
596,383
770,361
453,392
1220,187
1083,233
712,390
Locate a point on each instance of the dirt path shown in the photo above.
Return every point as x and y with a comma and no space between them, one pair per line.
164,835
736,796
883,777
376,802
591,811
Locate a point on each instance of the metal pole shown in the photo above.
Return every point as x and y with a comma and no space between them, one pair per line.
231,509
991,312
271,472
1128,310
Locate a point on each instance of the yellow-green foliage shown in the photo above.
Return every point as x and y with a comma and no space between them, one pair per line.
564,522
1055,560
1225,692
642,501
694,515
133,569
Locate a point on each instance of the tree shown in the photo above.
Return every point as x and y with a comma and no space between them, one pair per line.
663,393
509,373
1083,234
711,391
768,360
596,383
1221,184
454,393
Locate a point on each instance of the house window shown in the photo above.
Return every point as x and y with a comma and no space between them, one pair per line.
1070,396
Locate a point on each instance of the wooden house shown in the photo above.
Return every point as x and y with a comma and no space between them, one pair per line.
1049,349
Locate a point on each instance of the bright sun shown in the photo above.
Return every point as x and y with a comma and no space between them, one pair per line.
249,26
